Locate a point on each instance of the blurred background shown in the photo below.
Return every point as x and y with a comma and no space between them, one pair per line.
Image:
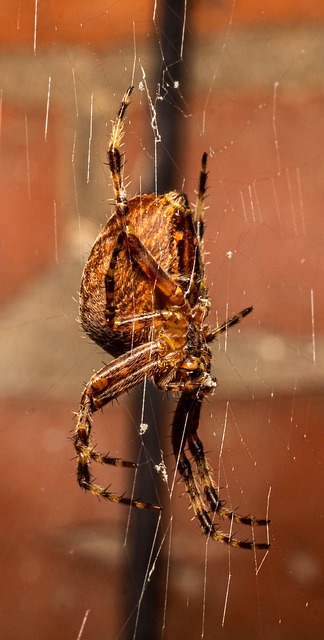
244,82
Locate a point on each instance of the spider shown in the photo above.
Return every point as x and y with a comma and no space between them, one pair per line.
144,300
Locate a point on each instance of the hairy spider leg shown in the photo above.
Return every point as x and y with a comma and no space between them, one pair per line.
199,209
211,335
104,386
209,489
110,309
188,413
114,158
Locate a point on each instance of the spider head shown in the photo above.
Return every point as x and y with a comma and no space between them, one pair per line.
193,373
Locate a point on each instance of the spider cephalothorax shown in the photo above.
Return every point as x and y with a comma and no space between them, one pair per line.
144,299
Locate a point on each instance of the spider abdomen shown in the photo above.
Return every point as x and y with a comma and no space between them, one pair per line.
164,225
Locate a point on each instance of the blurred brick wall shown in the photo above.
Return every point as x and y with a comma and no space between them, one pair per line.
62,553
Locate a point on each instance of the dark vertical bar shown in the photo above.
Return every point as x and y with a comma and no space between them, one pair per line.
145,605
145,596
171,79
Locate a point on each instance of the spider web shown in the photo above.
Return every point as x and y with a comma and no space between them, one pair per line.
249,95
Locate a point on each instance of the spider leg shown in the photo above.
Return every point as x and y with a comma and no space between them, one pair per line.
209,489
211,335
111,381
187,414
110,308
114,158
198,217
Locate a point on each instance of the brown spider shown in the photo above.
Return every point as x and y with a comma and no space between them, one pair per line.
144,299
